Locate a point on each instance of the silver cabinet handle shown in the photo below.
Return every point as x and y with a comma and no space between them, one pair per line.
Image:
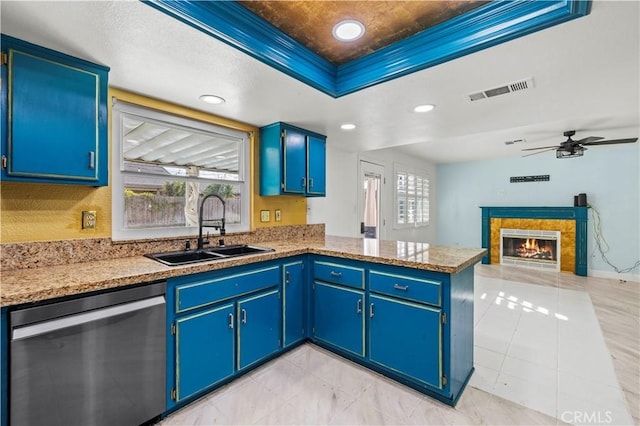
371,310
287,279
401,287
230,320
359,306
310,183
335,274
92,160
244,316
304,182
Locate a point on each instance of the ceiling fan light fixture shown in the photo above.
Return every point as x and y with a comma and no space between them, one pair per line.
424,108
577,151
348,30
212,99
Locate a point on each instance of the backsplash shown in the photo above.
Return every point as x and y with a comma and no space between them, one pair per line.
50,253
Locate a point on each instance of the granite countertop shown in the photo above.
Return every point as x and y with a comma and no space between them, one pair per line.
36,284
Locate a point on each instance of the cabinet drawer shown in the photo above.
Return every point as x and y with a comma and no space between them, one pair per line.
204,292
426,291
338,274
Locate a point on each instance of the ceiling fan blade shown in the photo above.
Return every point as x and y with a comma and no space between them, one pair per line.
541,147
540,152
589,139
611,142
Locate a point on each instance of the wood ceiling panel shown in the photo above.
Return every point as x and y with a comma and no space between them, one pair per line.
386,22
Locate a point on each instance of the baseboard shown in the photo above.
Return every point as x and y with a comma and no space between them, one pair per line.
614,275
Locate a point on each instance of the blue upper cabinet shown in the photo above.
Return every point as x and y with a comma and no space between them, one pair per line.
292,161
54,119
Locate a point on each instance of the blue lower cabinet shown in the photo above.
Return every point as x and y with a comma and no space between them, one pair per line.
258,327
339,317
406,338
293,303
204,350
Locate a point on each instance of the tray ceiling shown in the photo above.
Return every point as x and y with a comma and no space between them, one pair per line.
386,22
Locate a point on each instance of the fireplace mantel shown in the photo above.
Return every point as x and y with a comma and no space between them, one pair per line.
577,214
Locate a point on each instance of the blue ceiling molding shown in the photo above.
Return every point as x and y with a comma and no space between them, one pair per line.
486,26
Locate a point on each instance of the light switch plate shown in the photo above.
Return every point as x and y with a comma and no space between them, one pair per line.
265,216
278,215
89,219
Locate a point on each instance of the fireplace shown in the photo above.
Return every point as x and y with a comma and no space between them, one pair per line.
570,222
530,248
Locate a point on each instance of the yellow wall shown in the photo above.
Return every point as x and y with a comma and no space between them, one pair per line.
42,212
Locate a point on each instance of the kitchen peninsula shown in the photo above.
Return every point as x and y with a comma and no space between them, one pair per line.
404,309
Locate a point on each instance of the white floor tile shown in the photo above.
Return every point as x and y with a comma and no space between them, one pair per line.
539,397
579,411
530,371
579,394
346,376
394,400
246,403
317,402
484,378
361,413
487,358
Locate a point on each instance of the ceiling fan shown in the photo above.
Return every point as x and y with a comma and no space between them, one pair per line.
571,148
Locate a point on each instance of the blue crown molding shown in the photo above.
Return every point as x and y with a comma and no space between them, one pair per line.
494,23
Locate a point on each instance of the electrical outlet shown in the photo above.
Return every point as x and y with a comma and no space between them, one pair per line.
89,219
278,215
265,216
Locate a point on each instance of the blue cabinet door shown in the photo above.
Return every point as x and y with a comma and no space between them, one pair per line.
295,164
258,327
407,338
339,317
293,303
316,166
292,161
54,117
204,350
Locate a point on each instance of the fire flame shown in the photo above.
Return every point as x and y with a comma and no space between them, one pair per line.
530,248
531,244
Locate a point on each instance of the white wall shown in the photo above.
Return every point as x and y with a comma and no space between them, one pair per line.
339,209
608,175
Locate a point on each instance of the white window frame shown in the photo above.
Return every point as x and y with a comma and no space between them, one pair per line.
119,232
403,169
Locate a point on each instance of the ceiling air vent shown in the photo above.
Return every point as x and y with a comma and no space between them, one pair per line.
516,86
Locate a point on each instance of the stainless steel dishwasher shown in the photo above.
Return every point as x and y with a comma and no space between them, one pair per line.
95,360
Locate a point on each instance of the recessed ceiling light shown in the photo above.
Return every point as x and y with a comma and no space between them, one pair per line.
212,99
348,126
424,108
348,30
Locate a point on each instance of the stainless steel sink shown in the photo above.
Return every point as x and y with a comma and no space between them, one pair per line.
214,253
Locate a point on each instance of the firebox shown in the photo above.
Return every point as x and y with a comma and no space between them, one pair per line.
530,248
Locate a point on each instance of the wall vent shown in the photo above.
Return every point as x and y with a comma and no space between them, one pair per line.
515,141
516,86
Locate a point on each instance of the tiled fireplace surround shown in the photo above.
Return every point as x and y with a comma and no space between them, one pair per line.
570,221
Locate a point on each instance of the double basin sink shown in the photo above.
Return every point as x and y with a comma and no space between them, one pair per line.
214,253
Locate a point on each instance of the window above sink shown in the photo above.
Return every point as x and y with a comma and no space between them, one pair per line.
162,166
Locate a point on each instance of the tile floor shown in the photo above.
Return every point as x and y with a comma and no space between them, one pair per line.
542,347
550,348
